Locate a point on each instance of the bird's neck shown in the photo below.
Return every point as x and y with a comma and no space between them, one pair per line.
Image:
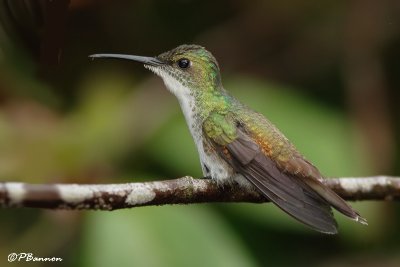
198,103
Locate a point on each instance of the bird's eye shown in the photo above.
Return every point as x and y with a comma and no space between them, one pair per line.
183,63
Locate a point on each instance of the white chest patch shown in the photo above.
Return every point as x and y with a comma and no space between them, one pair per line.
212,164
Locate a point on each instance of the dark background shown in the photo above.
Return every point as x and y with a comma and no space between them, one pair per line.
326,73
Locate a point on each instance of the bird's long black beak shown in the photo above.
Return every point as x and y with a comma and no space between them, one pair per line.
145,60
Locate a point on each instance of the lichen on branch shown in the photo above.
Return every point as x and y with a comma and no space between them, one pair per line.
186,190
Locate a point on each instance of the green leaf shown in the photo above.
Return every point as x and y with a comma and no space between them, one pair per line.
161,236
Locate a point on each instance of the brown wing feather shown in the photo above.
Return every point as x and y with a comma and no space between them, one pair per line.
299,167
295,186
288,192
309,174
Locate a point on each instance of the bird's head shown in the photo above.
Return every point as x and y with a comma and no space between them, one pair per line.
186,69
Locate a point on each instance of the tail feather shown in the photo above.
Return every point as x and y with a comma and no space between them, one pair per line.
334,200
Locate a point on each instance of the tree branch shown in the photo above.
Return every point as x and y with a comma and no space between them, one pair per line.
186,190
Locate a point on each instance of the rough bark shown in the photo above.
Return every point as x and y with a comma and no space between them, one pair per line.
186,190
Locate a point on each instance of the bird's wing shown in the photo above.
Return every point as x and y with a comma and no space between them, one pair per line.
287,190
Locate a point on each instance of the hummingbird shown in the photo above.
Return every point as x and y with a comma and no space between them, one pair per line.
237,144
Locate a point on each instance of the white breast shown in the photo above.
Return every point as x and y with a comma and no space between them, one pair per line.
212,164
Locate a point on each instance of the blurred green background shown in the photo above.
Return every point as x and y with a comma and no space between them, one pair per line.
326,73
